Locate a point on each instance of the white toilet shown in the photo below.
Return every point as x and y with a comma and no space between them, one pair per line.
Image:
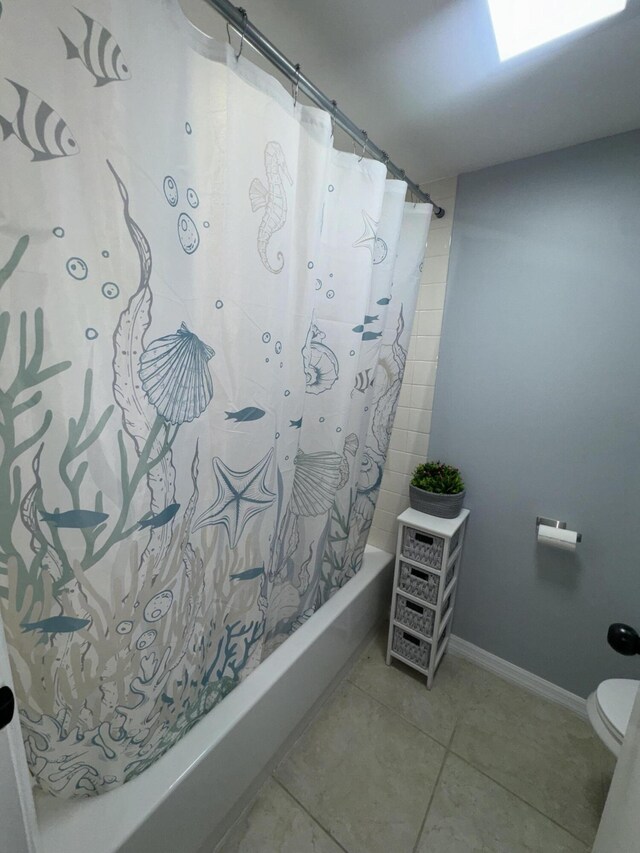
609,708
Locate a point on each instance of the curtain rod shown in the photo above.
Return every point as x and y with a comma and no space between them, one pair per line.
238,18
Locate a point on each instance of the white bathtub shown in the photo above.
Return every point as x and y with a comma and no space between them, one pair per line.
188,798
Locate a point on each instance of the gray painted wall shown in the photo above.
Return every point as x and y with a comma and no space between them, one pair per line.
538,401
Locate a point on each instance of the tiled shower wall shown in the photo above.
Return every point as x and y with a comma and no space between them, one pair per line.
410,436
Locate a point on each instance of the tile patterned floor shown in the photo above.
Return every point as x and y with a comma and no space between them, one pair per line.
476,765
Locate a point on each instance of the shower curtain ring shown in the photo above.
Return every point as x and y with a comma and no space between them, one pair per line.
333,118
294,93
244,28
415,195
364,145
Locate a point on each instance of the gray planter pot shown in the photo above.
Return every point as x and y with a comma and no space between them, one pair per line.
444,506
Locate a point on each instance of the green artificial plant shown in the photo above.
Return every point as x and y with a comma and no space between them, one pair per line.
438,478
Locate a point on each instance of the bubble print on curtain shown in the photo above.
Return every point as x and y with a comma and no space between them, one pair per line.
204,318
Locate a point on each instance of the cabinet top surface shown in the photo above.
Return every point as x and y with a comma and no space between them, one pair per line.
432,523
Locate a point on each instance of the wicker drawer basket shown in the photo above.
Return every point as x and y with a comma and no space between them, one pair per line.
419,582
413,615
411,648
422,547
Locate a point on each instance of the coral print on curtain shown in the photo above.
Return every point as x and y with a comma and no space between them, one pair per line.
204,317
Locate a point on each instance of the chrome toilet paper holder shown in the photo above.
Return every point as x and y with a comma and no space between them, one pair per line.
553,522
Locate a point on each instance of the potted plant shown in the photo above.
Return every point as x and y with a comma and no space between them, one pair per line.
437,489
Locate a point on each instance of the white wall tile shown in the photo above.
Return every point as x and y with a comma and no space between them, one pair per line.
440,189
425,348
410,435
405,395
399,461
438,242
393,503
386,520
424,373
394,482
398,439
410,460
417,443
395,462
408,372
402,418
414,460
420,421
422,397
435,270
431,297
429,323
384,539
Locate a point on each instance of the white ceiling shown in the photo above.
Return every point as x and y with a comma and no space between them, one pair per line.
424,79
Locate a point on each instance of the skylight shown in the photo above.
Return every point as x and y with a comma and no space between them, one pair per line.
520,25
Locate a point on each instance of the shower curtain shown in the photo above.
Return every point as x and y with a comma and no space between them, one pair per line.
204,319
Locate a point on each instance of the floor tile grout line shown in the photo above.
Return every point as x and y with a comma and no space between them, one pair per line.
308,813
399,715
469,763
433,794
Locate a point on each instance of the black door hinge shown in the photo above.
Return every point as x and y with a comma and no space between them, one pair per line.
7,706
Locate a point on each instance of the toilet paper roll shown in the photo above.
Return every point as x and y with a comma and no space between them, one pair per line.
557,538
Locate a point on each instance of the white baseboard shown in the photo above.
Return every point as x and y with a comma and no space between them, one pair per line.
517,675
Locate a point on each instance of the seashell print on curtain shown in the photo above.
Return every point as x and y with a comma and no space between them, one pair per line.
175,376
204,320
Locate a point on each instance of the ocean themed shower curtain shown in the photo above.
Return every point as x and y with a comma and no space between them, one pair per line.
204,320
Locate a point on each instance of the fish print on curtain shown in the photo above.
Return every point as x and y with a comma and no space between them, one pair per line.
198,375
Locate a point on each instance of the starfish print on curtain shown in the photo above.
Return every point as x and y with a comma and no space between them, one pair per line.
241,495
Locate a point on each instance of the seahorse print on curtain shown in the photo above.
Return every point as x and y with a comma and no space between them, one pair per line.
272,199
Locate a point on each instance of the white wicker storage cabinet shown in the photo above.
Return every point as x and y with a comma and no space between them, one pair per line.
424,588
